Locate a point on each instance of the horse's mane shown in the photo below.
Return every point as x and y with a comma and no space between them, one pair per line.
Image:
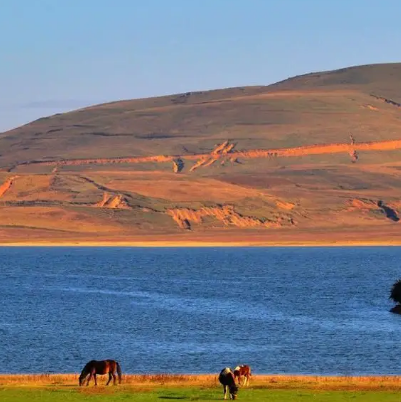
88,365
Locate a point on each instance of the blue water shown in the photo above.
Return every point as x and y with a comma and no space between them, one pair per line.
197,310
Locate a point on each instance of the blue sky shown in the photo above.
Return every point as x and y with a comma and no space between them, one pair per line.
60,55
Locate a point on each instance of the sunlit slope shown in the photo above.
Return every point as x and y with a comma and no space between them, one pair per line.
377,79
319,153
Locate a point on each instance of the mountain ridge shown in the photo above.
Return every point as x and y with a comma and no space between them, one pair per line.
316,153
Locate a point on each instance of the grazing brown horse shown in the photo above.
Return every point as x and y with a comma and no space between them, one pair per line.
242,371
101,367
226,378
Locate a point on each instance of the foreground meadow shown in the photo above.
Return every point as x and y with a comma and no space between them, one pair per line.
148,388
192,394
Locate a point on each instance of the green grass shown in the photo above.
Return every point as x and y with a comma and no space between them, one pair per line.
72,394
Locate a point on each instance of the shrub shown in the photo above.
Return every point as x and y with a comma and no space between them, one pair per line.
395,293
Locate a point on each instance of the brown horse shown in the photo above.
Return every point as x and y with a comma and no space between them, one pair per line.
242,371
101,367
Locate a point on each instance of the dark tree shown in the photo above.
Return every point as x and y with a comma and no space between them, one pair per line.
395,293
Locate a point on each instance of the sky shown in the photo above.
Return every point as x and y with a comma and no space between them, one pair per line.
61,55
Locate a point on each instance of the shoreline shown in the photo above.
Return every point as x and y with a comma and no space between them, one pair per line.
199,244
267,381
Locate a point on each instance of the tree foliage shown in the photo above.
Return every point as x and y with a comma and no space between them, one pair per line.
395,293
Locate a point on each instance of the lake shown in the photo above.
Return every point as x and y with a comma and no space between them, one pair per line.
295,310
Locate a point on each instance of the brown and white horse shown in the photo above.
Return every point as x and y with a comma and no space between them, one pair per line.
243,371
226,378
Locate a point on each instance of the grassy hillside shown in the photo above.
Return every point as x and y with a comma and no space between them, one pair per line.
314,157
378,79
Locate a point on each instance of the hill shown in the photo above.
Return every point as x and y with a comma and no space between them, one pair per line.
314,158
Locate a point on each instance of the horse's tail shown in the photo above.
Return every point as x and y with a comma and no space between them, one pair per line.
119,372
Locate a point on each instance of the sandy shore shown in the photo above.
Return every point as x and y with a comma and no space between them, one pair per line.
83,243
311,237
270,381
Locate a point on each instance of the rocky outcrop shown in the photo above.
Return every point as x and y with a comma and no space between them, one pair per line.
389,212
178,165
113,202
386,100
363,203
225,214
6,185
285,205
367,205
219,152
353,154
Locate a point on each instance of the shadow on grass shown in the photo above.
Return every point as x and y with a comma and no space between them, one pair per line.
188,397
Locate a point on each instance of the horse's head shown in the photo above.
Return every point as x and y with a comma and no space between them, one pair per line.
85,371
233,391
82,378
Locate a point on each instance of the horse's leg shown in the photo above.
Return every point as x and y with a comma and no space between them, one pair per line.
94,376
108,382
89,378
225,387
114,377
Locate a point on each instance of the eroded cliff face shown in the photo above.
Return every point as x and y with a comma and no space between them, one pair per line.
220,152
112,201
364,204
388,210
6,185
266,213
184,217
285,205
386,100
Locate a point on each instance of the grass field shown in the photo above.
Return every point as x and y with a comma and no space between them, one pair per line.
147,388
190,394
